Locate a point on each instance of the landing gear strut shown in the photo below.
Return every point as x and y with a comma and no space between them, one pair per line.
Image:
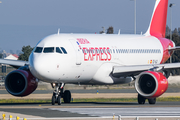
58,94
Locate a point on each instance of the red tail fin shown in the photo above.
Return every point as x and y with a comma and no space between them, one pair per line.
157,26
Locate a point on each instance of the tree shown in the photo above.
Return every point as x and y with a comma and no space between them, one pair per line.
110,30
175,31
26,52
179,31
168,30
1,55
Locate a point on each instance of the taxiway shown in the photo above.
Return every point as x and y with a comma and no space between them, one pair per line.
93,110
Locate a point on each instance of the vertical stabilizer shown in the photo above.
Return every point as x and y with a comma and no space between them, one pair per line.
157,26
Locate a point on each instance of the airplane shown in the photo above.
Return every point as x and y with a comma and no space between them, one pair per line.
99,59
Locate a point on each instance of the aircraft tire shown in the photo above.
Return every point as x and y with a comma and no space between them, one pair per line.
141,99
53,100
67,96
59,100
152,101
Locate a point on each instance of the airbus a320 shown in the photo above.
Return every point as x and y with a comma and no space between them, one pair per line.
99,59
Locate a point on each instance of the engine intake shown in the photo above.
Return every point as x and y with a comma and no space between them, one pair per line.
151,84
20,83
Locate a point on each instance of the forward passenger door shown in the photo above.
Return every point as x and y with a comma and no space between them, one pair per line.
77,51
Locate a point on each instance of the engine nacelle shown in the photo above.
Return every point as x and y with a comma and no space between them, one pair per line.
20,83
151,84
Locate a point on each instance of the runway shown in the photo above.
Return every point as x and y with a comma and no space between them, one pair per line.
93,111
105,112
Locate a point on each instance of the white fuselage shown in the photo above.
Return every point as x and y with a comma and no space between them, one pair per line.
85,64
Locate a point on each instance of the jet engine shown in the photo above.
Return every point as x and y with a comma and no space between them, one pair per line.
20,83
151,84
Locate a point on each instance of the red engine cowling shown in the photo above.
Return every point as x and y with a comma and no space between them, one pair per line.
20,83
151,84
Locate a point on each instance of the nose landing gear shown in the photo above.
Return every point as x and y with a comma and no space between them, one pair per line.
58,94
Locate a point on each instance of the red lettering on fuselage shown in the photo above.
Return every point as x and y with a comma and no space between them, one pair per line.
109,58
104,49
93,53
85,53
101,54
83,41
97,54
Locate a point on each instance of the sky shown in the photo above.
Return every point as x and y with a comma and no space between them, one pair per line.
25,22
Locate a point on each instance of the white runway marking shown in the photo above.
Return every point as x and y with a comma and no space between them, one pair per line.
145,111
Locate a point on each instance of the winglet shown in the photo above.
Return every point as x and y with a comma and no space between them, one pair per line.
157,26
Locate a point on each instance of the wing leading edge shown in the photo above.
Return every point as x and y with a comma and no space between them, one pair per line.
14,63
133,70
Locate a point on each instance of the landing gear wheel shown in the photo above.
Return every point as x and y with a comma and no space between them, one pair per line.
67,96
141,99
53,100
59,100
152,101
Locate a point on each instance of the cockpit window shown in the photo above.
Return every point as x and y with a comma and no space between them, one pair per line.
48,50
38,50
63,50
58,50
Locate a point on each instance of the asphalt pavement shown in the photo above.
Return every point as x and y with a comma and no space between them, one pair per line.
93,111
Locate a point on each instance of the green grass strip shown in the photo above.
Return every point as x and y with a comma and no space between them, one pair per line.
24,101
86,100
164,99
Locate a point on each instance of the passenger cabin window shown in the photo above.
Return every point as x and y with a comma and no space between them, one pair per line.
48,50
58,50
110,51
65,52
38,50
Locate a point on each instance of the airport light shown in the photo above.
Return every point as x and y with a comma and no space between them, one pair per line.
134,16
171,5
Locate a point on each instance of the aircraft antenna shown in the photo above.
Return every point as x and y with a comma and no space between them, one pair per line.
119,32
58,31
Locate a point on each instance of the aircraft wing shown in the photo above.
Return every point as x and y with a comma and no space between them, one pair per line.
14,63
133,70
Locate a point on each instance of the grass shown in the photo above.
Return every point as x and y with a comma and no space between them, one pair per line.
86,100
24,101
172,99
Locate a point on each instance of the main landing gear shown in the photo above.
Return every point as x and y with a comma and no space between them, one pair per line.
58,94
141,100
